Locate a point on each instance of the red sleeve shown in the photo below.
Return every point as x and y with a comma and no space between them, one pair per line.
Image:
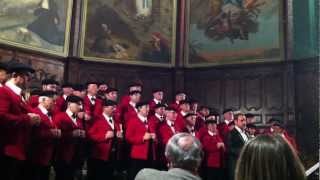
5,113
132,134
96,133
65,131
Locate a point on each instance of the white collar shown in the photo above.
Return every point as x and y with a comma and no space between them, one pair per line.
132,104
183,113
65,97
1,85
43,110
177,102
238,129
156,101
170,123
17,90
211,133
108,120
90,97
227,121
69,113
159,117
142,118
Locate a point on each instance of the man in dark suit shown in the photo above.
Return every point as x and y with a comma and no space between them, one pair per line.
17,120
235,141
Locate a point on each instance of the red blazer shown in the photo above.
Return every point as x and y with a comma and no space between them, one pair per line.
152,105
223,131
42,141
128,114
33,101
175,106
101,147
213,155
90,109
67,145
61,105
200,123
180,123
134,135
165,133
15,121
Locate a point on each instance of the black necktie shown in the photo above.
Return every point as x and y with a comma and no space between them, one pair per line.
111,120
74,116
49,114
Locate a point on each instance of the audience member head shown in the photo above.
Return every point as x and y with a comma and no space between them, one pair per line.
111,94
184,151
269,157
143,108
240,121
171,114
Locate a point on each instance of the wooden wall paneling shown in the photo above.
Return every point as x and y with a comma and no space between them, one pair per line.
213,94
232,96
253,94
274,91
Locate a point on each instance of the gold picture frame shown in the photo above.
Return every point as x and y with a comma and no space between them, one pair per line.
127,37
37,25
210,56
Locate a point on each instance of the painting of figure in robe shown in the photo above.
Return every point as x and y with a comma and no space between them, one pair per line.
40,25
234,31
129,31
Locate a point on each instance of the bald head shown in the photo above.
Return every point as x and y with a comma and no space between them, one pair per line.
184,151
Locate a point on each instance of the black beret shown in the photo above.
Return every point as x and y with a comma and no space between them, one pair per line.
4,66
111,89
134,92
73,99
249,115
17,67
184,102
227,110
170,109
66,85
135,84
35,92
278,124
91,82
251,125
47,93
109,103
160,105
210,122
49,81
189,114
140,104
78,87
180,92
157,90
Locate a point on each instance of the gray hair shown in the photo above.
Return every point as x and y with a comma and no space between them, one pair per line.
184,151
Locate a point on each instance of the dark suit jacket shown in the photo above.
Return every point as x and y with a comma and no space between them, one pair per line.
235,142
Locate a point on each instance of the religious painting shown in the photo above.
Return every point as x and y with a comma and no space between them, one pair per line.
223,32
39,25
140,32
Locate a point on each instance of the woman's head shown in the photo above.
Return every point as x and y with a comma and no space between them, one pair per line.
269,158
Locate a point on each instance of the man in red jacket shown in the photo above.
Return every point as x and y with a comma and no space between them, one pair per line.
16,121
165,131
214,149
3,73
180,96
105,135
73,134
184,107
223,127
190,120
141,134
157,99
61,104
3,79
47,85
91,103
131,110
43,139
111,94
204,111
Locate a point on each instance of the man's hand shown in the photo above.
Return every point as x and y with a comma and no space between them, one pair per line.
109,135
34,119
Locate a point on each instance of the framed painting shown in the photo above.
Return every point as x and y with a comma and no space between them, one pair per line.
220,32
38,25
140,32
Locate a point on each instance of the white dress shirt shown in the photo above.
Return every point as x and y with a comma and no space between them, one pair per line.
17,90
171,125
74,120
108,118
